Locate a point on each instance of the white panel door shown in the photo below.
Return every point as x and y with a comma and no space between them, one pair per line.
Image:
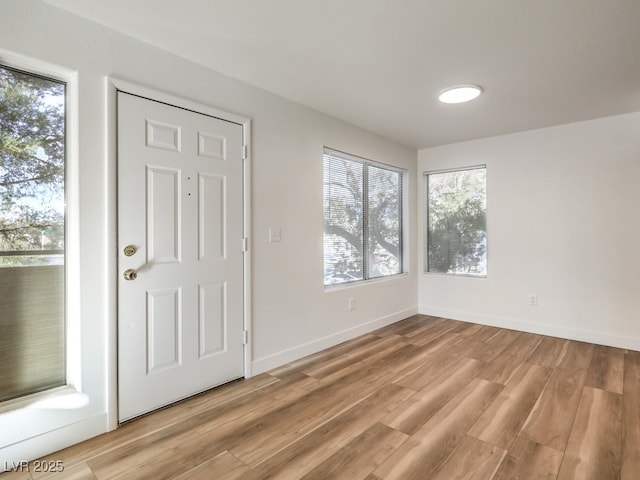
180,309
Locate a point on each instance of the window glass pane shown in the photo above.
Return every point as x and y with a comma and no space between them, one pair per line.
32,161
362,213
456,223
384,221
343,241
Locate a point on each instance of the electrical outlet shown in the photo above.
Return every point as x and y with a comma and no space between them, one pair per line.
352,303
533,300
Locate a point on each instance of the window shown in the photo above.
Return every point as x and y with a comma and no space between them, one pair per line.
32,233
363,224
456,222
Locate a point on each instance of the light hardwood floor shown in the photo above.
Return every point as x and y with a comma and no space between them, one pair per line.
425,398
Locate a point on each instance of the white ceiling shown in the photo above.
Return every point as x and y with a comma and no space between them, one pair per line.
380,64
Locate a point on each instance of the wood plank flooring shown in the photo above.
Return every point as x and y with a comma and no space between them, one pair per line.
425,398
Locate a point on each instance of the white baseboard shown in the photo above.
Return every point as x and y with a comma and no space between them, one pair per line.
16,455
281,358
559,331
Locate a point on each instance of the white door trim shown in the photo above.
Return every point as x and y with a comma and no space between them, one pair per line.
113,85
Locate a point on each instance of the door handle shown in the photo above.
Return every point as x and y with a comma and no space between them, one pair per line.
130,274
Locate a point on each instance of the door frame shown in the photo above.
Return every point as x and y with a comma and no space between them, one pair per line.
113,85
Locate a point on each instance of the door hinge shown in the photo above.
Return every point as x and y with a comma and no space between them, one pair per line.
245,244
245,152
245,337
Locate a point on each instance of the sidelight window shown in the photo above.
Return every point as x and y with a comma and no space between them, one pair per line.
32,233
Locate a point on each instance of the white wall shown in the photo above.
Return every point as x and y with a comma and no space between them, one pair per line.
292,315
563,222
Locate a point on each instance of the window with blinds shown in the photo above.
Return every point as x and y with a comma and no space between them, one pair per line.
32,233
363,219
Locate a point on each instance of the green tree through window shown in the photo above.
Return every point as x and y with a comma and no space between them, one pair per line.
362,219
32,154
456,222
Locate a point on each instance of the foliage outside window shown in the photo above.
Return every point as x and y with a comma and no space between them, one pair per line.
362,219
32,153
456,222
32,233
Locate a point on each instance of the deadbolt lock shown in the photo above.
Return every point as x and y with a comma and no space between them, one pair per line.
130,250
130,274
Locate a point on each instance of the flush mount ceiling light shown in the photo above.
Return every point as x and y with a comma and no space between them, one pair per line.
459,94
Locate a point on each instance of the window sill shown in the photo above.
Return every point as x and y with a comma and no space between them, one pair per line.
454,275
59,398
361,283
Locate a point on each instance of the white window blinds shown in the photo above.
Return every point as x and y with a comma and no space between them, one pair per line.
362,219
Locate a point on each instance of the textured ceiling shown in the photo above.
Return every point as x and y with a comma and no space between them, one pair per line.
380,64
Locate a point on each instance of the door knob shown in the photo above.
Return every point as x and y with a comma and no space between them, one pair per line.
130,274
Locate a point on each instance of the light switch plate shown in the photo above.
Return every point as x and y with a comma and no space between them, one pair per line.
275,234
